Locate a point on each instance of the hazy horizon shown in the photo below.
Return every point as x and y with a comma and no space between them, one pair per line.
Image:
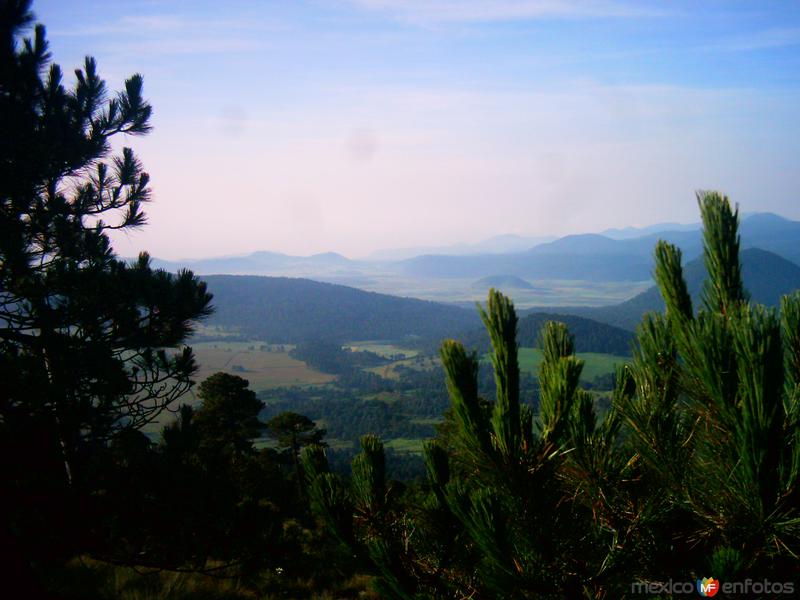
354,126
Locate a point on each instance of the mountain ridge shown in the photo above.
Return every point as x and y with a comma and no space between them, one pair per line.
582,257
767,276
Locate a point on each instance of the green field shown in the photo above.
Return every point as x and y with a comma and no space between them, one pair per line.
595,364
405,445
264,366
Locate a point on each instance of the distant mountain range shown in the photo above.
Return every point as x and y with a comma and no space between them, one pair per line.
626,233
619,255
293,310
596,257
499,244
767,277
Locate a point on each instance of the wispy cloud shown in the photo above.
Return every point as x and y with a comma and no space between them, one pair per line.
177,34
761,40
444,11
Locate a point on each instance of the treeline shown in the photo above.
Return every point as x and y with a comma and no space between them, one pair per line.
347,417
331,357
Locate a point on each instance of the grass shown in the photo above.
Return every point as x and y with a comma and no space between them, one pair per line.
264,366
595,364
405,445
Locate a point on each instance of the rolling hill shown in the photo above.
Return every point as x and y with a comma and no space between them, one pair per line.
767,277
596,257
590,335
289,310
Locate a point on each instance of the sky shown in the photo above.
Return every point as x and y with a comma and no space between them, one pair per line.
306,126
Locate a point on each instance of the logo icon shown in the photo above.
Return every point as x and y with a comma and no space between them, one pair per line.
708,586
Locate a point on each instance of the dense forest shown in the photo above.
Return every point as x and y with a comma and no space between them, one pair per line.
286,310
686,470
590,335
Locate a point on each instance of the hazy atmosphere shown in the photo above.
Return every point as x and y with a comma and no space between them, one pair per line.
429,300
352,126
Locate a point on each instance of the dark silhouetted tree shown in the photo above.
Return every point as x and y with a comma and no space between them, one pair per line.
227,421
87,342
293,432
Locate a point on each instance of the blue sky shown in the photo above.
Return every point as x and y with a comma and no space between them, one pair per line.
352,125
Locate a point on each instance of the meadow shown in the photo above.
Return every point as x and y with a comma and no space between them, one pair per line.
594,363
265,366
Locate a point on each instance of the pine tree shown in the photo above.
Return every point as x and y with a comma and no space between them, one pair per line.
692,472
228,418
82,332
716,413
90,346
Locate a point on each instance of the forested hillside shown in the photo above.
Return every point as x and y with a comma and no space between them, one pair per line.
286,310
767,277
590,335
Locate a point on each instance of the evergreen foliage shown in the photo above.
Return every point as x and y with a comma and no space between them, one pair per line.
293,432
90,347
228,418
692,472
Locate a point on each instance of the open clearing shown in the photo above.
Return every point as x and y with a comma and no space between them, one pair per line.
264,366
595,364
